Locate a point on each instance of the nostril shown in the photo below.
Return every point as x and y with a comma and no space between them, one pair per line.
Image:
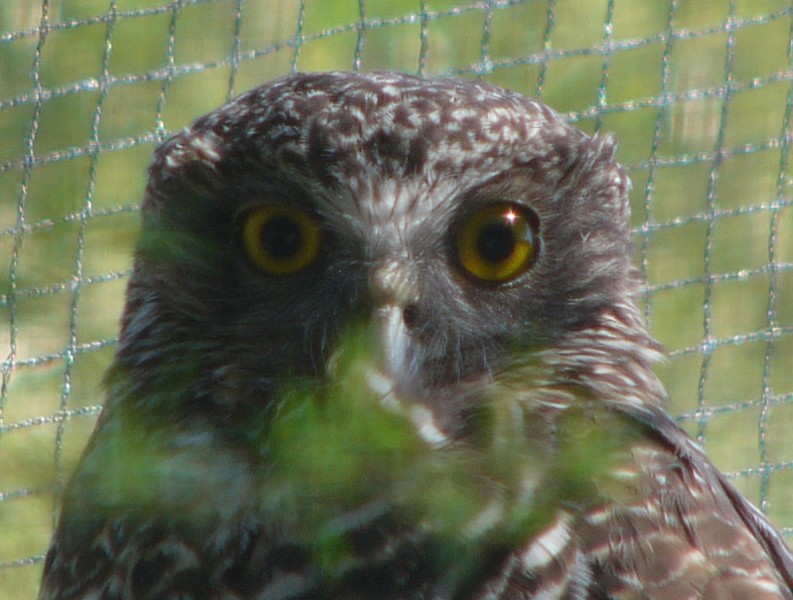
410,315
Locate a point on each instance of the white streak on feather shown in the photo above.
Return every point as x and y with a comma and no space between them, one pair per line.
548,546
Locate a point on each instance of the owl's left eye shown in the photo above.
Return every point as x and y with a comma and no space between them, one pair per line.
497,243
280,240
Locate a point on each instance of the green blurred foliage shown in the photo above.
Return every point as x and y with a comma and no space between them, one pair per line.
700,117
322,460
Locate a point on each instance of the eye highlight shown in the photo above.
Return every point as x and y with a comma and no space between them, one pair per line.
497,243
280,240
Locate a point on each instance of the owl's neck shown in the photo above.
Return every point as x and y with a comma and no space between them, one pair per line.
608,361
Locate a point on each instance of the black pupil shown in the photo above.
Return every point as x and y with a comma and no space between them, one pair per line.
282,238
496,242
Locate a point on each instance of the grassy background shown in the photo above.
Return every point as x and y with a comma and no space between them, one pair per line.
697,91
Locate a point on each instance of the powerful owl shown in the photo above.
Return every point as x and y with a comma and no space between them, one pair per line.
381,341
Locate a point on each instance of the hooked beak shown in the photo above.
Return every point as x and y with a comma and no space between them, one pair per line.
393,339
396,298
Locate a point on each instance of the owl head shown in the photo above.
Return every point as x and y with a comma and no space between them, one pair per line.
460,223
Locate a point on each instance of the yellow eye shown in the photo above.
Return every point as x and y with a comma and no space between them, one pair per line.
498,242
280,240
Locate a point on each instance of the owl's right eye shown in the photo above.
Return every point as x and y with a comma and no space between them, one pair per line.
497,243
280,240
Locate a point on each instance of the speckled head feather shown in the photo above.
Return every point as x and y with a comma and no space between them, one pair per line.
353,134
343,129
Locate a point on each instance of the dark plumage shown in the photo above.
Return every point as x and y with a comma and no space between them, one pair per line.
381,341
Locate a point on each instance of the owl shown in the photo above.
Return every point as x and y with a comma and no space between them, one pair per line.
381,341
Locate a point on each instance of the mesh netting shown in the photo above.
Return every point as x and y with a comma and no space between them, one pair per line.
698,93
